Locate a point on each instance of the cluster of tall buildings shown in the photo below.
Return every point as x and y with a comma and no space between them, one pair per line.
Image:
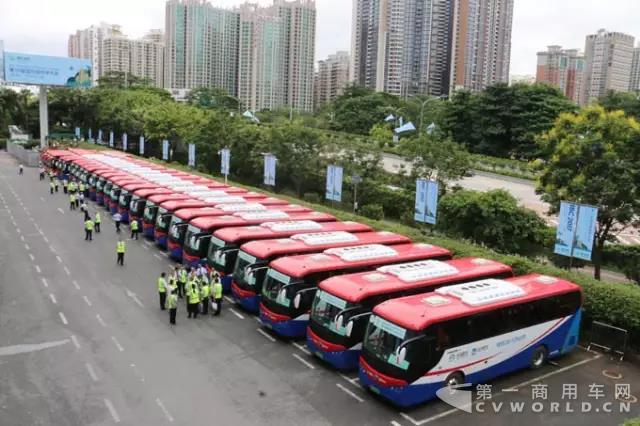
609,62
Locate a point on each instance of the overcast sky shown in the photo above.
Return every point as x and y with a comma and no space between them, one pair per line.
42,26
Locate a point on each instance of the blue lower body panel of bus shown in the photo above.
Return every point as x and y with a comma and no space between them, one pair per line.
225,280
415,393
99,199
92,195
147,231
249,301
125,216
342,360
175,253
161,239
291,328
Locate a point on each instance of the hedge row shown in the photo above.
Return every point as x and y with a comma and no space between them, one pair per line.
624,258
615,304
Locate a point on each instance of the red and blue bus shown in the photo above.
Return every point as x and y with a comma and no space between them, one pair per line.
112,201
126,194
163,217
93,180
291,282
103,182
181,218
151,210
139,201
199,230
342,305
467,333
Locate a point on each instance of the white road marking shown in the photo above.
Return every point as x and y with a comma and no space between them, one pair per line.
258,319
75,284
145,247
40,232
20,349
133,296
67,271
44,282
157,256
265,334
112,410
350,393
100,320
118,345
302,348
164,410
351,380
22,238
236,313
63,318
38,270
394,423
304,361
26,247
137,372
32,257
60,210
74,339
87,301
59,259
230,300
18,230
46,240
92,373
53,299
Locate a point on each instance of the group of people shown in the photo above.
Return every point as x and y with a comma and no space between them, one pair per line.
198,286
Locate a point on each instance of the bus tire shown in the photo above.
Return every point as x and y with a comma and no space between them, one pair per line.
454,379
539,357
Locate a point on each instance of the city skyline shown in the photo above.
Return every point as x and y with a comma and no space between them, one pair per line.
535,26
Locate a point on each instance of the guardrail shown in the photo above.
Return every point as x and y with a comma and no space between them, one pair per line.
609,338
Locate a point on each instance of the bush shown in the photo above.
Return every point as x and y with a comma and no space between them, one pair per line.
372,211
624,258
632,422
312,197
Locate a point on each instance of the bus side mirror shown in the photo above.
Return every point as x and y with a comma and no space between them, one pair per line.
339,321
402,354
296,300
348,329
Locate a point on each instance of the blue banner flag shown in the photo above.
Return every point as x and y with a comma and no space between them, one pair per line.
270,170
99,136
585,232
192,155
111,139
334,183
78,132
141,145
165,150
426,206
225,160
566,228
90,135
576,230
125,142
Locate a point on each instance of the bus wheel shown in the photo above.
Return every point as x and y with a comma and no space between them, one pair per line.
454,379
539,357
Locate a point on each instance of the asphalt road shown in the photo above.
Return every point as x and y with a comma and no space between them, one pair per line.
83,342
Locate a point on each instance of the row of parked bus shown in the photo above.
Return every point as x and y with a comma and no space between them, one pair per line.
407,315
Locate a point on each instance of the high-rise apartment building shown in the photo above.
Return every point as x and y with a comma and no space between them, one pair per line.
481,43
201,46
87,44
331,78
1,61
634,84
609,56
409,47
115,55
563,69
147,57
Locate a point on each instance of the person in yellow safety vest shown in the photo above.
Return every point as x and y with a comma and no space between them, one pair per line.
173,280
172,306
65,185
182,281
193,294
72,201
97,221
88,230
72,186
81,187
52,187
162,289
205,293
120,250
217,295
134,229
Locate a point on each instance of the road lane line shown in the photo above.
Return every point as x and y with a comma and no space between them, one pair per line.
351,380
92,373
137,372
22,238
67,271
302,348
267,335
305,362
53,299
112,410
32,257
350,393
164,410
26,247
87,301
258,319
100,320
394,423
118,345
44,282
18,230
59,259
157,256
63,318
236,313
145,247
60,210
75,284
46,240
74,339
38,270
230,300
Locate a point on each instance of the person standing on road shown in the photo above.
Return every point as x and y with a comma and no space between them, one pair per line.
134,229
162,290
83,207
172,306
182,280
72,201
205,295
97,222
193,295
52,187
120,250
56,182
173,279
21,170
88,229
117,218
65,185
41,173
217,295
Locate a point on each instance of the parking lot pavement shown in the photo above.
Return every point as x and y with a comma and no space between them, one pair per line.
120,362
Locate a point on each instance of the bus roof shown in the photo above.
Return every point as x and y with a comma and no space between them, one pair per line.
388,279
173,205
319,241
161,198
140,185
256,218
144,193
359,256
220,210
271,230
449,302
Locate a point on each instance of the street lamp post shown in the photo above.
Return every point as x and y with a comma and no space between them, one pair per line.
439,98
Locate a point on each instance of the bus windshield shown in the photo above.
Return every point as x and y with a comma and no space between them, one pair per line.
162,218
220,254
100,184
115,192
279,287
133,204
176,228
326,308
150,212
244,271
192,238
383,340
123,198
92,180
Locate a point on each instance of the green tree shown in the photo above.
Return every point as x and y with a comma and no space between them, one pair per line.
381,134
594,158
358,109
122,80
19,108
491,218
175,122
213,98
628,102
